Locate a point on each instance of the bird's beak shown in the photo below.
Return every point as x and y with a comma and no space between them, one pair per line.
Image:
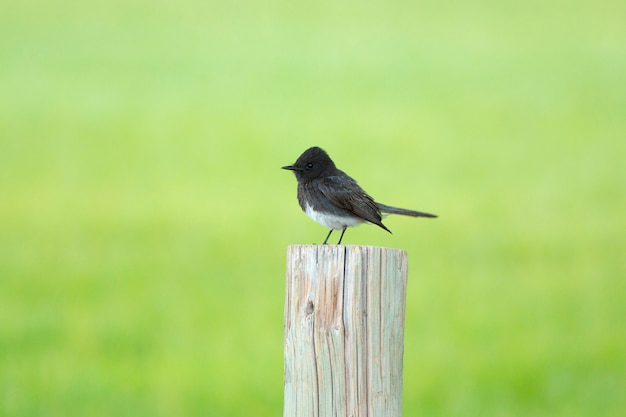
291,168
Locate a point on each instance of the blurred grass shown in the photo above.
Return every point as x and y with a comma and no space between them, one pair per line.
144,218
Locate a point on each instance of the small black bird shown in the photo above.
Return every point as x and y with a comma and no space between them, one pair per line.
335,200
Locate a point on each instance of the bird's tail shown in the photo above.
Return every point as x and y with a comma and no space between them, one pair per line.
395,210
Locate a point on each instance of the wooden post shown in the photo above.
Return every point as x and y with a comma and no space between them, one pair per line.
344,331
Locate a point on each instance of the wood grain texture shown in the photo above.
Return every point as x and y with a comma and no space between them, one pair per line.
344,331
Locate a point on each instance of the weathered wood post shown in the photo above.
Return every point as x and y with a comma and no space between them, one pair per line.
344,331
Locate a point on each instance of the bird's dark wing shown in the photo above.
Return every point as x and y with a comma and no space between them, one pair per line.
351,198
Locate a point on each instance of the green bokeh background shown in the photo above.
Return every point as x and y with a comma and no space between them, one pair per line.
144,219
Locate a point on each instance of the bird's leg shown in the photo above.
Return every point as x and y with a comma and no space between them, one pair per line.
341,237
326,240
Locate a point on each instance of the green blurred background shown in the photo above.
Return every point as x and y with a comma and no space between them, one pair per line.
144,219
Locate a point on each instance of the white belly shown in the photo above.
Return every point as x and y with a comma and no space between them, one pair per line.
332,221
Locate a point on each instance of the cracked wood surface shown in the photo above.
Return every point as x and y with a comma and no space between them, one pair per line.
344,331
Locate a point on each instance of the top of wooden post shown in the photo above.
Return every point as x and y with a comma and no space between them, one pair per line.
339,247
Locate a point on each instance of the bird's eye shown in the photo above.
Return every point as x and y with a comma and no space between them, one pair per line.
309,165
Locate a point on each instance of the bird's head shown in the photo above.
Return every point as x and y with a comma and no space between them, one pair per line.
312,164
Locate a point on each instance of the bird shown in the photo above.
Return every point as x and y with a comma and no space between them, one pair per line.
335,200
